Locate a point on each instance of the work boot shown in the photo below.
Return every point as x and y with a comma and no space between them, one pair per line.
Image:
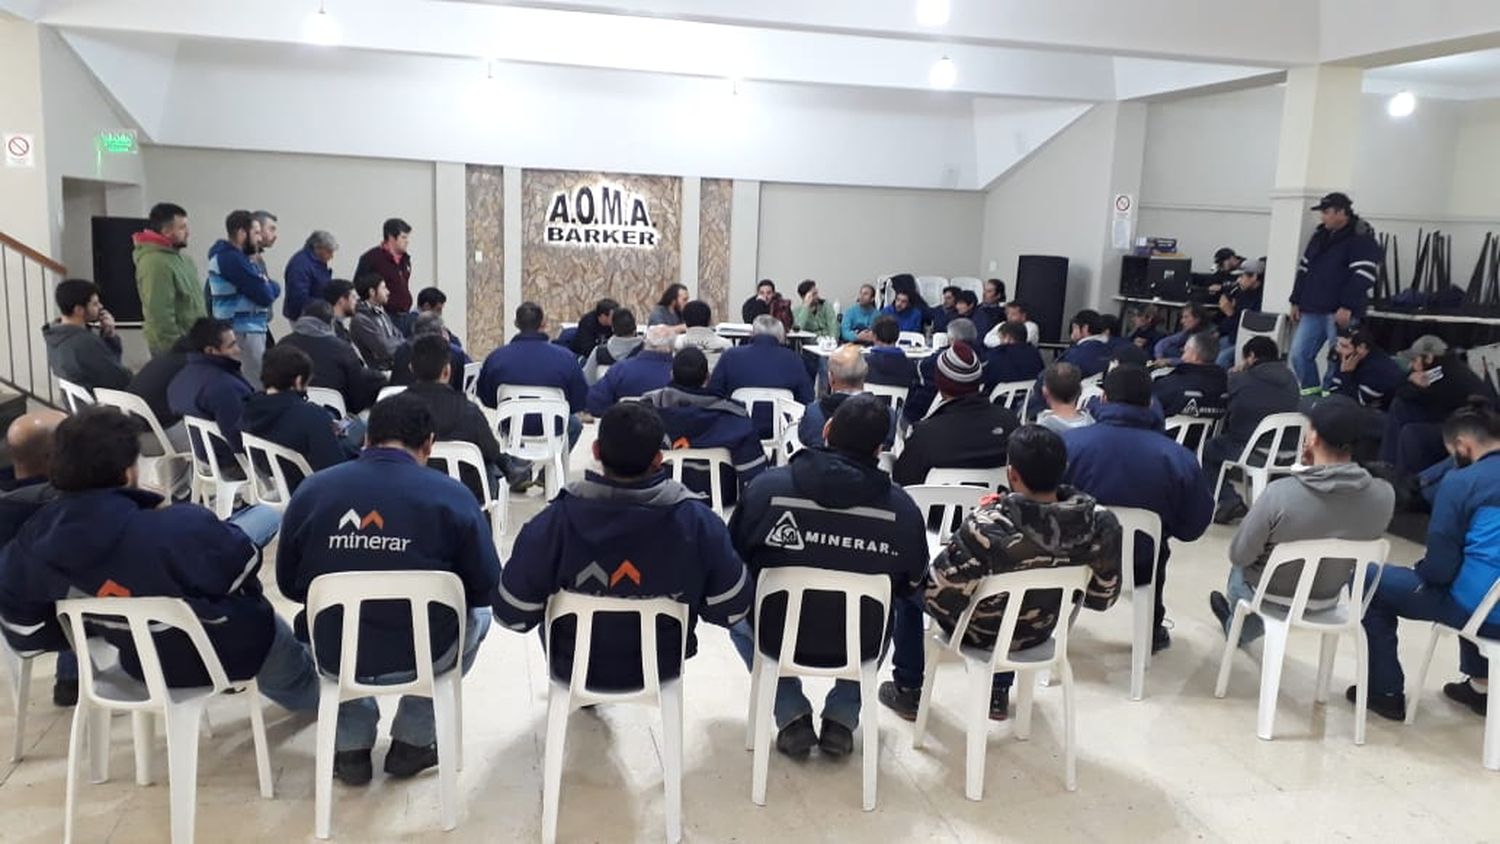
407,760
797,738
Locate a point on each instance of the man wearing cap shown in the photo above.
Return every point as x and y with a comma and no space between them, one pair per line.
1226,266
965,431
1440,383
1245,293
1366,374
1333,282
1334,498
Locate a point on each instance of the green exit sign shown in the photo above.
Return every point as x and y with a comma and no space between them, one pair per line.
121,142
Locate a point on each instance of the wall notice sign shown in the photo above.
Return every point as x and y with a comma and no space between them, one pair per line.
1124,203
20,150
1124,216
600,215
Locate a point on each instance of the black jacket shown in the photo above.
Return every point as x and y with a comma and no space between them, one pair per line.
835,511
1193,389
963,433
589,334
454,417
1449,392
1266,388
890,367
289,419
335,363
151,382
401,375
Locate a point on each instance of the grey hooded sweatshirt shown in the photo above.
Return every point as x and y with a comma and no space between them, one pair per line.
85,358
1329,501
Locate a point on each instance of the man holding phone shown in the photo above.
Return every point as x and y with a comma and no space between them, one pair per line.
1440,383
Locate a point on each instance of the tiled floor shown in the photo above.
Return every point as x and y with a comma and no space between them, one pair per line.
1178,766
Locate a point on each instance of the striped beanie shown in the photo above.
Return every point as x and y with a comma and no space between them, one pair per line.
959,370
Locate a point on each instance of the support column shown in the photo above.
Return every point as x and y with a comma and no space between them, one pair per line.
1319,136
514,227
1128,161
692,203
25,211
450,216
744,246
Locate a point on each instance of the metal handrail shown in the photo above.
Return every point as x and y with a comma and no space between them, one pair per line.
34,269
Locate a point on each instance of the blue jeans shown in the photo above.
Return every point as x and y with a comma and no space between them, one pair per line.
1413,437
353,438
259,522
1236,590
414,722
288,676
575,430
1312,331
908,656
1226,352
1403,593
841,706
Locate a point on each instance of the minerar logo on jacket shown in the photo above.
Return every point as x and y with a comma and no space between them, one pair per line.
360,539
787,535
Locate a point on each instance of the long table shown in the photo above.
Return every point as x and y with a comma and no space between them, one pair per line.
1395,330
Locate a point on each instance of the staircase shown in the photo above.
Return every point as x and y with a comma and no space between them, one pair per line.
27,279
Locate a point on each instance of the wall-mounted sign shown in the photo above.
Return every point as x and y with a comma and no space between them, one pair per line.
122,141
600,215
20,149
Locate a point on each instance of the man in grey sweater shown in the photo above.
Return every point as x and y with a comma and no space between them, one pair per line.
74,351
1333,499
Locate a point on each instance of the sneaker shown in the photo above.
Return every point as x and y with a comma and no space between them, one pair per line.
1219,606
1000,704
407,760
901,701
1231,512
65,692
518,474
1392,707
352,767
797,738
1160,639
835,739
1464,693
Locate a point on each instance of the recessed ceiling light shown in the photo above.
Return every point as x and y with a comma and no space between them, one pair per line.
933,12
943,74
1402,105
322,29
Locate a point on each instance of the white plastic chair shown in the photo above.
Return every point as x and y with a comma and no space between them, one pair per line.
778,401
565,697
1134,520
272,489
767,669
983,665
1012,395
1490,648
349,591
789,445
550,447
931,288
939,340
895,397
18,666
1192,432
1280,618
911,340
329,398
1281,456
455,455
75,396
212,487
471,379
969,283
953,504
387,392
156,469
992,480
99,694
713,460
1092,388
1259,324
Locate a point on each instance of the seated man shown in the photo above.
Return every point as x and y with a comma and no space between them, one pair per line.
1146,328
594,328
965,431
990,309
74,351
530,360
1090,352
424,323
454,417
1335,498
151,383
1014,359
1365,373
1124,461
283,415
857,319
812,313
846,377
1062,384
336,363
1263,385
763,361
104,537
1017,313
410,518
637,375
630,532
922,393
624,343
760,303
908,316
696,417
700,334
838,493
374,333
1245,293
1040,523
1461,566
1197,387
1168,351
1440,383
211,387
889,365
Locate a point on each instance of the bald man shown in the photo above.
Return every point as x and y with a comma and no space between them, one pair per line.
847,369
29,442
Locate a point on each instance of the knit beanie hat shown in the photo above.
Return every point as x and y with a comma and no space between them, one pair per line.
959,370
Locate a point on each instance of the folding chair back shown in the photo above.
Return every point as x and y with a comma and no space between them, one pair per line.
329,398
75,396
714,461
268,462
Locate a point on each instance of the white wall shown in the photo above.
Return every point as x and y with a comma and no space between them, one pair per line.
349,197
844,237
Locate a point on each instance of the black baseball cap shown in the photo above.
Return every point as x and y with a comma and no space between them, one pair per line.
1335,200
1338,422
1224,254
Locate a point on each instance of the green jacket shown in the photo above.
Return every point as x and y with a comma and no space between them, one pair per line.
821,321
171,292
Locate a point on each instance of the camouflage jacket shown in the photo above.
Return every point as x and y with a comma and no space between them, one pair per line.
1007,533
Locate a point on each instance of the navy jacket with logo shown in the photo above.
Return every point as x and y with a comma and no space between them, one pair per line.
829,510
761,362
700,419
1193,389
121,542
634,376
530,360
384,512
1337,269
649,539
1373,382
212,387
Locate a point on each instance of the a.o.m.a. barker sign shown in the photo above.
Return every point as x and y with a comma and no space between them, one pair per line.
600,215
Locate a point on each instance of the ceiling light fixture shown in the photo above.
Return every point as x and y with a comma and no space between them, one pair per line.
933,12
943,74
322,28
1402,104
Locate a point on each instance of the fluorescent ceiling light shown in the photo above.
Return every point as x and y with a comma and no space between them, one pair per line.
943,74
322,29
1402,105
933,12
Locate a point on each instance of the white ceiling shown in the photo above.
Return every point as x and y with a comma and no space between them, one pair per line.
1465,76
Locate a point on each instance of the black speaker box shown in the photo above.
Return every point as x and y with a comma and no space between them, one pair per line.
1133,281
1042,283
114,268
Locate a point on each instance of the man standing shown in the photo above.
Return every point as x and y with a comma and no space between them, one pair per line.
392,262
1333,282
239,291
308,273
858,319
74,351
171,297
836,493
268,233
